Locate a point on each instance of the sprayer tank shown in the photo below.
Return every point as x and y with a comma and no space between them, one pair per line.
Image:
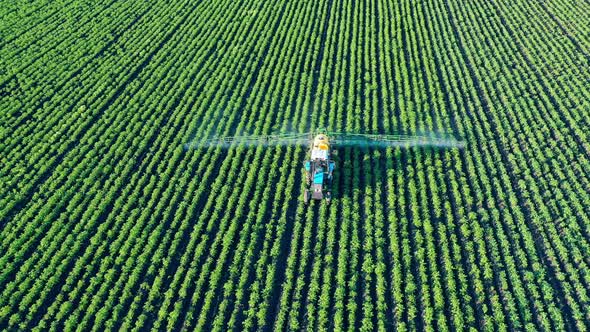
321,147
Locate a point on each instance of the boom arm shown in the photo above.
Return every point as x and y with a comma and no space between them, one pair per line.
253,140
338,139
377,140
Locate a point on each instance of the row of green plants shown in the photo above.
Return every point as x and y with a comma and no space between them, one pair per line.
107,222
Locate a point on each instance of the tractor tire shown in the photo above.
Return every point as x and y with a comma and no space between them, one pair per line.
306,196
328,197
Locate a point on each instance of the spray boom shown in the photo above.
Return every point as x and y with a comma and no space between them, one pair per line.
336,138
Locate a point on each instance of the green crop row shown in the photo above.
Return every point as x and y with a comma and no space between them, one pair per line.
108,222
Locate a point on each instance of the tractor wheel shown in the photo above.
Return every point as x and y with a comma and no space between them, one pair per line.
328,197
306,196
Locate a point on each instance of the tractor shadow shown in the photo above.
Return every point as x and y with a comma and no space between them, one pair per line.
366,200
361,170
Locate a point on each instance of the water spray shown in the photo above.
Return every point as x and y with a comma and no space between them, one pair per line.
434,140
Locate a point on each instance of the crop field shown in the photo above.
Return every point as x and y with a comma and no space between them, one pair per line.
108,220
